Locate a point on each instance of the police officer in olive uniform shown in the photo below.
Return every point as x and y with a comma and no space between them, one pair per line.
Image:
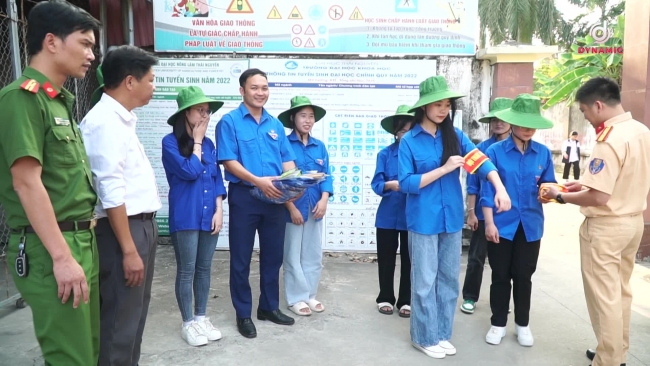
46,187
612,195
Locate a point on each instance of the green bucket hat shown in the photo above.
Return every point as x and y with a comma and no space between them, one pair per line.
498,104
525,112
388,124
191,96
298,102
434,89
97,94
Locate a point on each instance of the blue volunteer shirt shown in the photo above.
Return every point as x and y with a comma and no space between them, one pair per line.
194,185
473,181
391,213
312,156
438,207
259,148
521,174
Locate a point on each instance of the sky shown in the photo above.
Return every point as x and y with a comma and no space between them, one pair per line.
571,11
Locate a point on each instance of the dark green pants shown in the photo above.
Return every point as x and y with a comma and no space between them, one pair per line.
67,336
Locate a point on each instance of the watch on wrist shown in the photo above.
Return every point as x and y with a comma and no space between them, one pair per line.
559,198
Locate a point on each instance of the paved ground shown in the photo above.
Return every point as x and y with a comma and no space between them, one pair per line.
352,332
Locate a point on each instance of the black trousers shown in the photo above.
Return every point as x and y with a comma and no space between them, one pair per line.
475,263
576,170
388,240
512,260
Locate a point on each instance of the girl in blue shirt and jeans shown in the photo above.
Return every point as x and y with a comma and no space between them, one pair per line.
391,219
430,156
303,249
514,237
196,191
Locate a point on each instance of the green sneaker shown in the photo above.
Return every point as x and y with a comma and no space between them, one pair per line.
468,307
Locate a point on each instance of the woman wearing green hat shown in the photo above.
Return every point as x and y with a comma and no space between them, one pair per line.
430,156
391,219
514,236
303,251
478,245
196,192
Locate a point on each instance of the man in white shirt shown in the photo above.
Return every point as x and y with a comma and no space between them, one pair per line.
571,156
128,200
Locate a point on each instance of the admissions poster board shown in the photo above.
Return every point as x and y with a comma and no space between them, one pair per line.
412,27
357,94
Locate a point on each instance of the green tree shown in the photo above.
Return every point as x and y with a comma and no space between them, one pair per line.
518,20
557,80
570,30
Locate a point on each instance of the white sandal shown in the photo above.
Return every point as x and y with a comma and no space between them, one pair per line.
313,305
385,305
297,307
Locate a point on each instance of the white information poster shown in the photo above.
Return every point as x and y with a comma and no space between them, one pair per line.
357,94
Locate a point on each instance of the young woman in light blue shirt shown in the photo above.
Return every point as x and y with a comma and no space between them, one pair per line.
303,249
514,237
430,156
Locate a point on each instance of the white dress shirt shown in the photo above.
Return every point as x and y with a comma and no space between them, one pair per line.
122,174
574,144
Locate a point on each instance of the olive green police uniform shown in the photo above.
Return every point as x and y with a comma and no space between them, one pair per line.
37,121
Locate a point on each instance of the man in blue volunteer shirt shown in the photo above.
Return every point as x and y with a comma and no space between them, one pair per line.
254,149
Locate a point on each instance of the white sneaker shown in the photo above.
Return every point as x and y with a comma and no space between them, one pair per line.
449,348
193,335
524,336
432,351
495,334
209,330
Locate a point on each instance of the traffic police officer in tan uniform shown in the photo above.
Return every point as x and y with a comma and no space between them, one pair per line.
46,187
612,194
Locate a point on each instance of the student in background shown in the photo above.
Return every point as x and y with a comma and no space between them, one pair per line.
514,236
571,156
303,247
478,245
429,157
391,219
196,194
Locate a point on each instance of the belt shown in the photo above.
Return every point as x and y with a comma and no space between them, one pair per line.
63,226
143,216
242,185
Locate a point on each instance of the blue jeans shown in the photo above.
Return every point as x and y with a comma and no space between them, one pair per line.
435,266
194,250
303,260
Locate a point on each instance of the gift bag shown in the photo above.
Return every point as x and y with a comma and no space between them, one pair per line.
292,184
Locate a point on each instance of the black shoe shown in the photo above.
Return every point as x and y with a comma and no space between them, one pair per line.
246,327
275,316
591,354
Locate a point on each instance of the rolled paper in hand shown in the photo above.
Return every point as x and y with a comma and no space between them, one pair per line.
544,187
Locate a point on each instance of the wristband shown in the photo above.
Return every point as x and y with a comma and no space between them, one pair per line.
196,143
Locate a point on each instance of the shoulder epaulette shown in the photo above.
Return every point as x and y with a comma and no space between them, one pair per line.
30,85
604,134
49,90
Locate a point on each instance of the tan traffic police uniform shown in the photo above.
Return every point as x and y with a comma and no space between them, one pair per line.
37,121
610,235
